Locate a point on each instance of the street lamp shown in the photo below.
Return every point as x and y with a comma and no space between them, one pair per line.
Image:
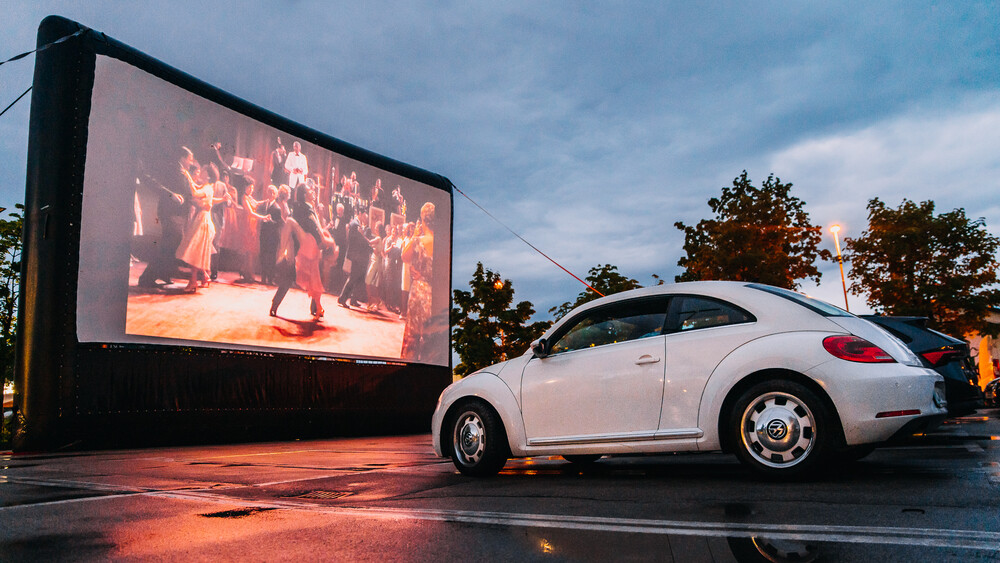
498,285
840,259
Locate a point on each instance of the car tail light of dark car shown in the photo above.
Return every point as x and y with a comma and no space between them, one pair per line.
941,356
856,349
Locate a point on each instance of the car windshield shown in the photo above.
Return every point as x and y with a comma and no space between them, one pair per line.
821,307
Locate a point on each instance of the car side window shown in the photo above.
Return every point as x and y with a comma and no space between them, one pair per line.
691,313
619,322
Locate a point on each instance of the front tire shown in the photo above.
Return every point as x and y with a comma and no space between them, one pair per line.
478,440
781,429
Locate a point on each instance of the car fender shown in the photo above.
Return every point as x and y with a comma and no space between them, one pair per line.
764,353
494,391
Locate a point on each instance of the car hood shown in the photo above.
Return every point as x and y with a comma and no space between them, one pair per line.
879,337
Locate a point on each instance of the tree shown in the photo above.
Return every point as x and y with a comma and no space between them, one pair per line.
604,278
10,278
912,262
485,329
758,234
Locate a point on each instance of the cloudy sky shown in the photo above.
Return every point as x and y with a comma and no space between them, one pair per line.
590,128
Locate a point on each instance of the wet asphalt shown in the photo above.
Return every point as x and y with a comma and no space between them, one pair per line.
934,498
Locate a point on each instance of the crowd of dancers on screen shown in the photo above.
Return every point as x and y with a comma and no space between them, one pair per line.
214,216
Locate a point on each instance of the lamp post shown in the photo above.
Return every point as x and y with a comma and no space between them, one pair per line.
840,259
498,285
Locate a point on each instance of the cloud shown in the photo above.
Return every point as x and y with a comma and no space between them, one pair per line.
591,128
947,156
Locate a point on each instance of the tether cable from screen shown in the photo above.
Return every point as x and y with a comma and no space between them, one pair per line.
15,101
80,31
533,247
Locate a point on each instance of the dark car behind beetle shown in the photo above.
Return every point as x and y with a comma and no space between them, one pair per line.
945,354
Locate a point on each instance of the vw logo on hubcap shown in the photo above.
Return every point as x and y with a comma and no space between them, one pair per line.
470,439
776,429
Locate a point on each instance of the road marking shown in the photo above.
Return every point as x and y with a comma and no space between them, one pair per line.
87,485
928,537
262,454
969,539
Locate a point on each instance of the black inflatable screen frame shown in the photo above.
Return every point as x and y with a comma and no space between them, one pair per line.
70,393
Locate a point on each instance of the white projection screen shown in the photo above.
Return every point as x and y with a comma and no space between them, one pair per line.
204,272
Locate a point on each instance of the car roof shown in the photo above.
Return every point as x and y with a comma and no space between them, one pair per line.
764,305
720,289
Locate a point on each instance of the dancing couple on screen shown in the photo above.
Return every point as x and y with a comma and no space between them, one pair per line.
299,251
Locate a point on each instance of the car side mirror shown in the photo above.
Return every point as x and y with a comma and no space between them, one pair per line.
538,348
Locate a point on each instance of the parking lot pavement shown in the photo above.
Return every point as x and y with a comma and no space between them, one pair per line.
936,497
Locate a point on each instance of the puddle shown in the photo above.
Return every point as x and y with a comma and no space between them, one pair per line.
237,513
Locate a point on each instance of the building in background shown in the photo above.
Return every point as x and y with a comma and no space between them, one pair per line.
986,349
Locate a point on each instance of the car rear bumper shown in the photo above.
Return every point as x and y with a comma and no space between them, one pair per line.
877,401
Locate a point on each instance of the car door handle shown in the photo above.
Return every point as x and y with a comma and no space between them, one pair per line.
646,359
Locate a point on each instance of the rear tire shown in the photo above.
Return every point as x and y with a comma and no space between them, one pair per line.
781,429
478,440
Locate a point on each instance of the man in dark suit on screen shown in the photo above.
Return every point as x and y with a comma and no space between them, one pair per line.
172,213
359,250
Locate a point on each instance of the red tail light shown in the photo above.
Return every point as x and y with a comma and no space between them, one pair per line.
855,349
887,414
938,357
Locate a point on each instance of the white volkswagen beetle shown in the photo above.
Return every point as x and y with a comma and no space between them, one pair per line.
782,380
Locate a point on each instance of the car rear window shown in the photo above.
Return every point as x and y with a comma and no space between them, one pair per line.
689,312
815,305
947,337
905,338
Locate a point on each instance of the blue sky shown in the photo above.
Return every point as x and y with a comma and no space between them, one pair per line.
590,128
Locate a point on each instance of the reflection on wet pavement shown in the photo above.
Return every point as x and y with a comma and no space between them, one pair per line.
932,498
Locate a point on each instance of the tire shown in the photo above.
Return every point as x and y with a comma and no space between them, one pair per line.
478,440
582,459
781,429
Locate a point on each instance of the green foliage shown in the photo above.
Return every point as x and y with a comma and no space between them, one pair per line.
604,278
912,262
758,234
485,328
10,276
